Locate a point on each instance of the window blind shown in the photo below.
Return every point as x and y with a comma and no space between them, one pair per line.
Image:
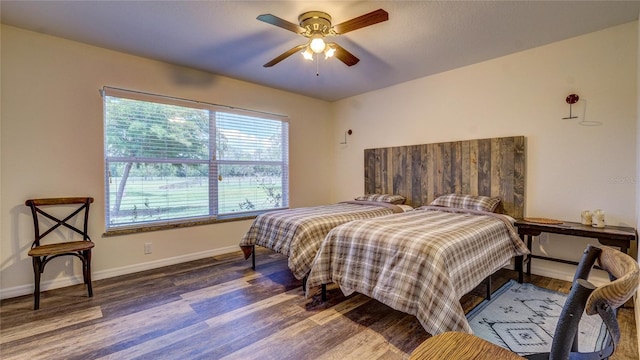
174,160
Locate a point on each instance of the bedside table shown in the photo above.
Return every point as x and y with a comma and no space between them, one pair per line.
617,236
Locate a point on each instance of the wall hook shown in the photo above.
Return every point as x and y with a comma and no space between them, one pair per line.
348,132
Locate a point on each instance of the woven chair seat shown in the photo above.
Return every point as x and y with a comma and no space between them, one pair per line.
61,248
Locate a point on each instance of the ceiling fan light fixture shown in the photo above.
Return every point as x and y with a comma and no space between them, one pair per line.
329,51
317,44
307,53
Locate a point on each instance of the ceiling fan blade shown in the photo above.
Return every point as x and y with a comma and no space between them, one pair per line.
285,55
274,20
371,18
343,55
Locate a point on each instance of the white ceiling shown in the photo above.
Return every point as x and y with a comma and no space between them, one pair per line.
223,37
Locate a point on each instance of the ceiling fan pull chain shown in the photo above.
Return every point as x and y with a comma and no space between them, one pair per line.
317,65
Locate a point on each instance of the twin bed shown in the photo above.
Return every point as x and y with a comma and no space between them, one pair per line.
420,262
297,233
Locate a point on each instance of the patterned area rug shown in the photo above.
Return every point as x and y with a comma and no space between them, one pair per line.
522,318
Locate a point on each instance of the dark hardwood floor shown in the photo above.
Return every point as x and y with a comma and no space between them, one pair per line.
219,308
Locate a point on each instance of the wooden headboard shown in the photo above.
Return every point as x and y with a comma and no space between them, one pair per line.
490,167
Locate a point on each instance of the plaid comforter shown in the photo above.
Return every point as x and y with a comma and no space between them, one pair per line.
298,233
420,262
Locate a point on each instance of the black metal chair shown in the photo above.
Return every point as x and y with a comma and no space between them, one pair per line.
42,253
583,297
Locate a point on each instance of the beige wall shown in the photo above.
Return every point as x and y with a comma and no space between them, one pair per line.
51,96
52,145
569,167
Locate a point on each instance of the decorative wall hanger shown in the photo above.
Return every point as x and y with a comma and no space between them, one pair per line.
348,132
571,99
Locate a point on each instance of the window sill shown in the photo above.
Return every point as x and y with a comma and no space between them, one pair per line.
144,229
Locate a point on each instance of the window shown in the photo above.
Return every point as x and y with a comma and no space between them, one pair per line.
171,160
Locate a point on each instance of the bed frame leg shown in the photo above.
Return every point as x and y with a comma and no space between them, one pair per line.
323,295
519,265
488,288
253,257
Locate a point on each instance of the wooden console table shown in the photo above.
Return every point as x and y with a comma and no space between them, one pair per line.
618,236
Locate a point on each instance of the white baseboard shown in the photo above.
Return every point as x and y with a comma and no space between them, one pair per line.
553,273
543,268
104,274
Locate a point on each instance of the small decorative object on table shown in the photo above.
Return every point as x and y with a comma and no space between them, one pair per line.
597,220
586,217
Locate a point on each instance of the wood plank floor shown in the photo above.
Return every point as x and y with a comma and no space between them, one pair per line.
218,308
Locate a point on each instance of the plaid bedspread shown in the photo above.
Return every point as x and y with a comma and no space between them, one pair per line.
420,262
298,233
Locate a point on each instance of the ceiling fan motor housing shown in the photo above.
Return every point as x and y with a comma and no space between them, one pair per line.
315,22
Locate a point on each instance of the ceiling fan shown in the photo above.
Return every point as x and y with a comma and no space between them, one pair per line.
316,25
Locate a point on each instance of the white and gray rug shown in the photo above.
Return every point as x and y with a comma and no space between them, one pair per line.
522,318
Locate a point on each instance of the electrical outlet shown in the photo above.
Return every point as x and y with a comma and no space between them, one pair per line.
147,248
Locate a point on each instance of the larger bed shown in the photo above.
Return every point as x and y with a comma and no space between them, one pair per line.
421,262
297,233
